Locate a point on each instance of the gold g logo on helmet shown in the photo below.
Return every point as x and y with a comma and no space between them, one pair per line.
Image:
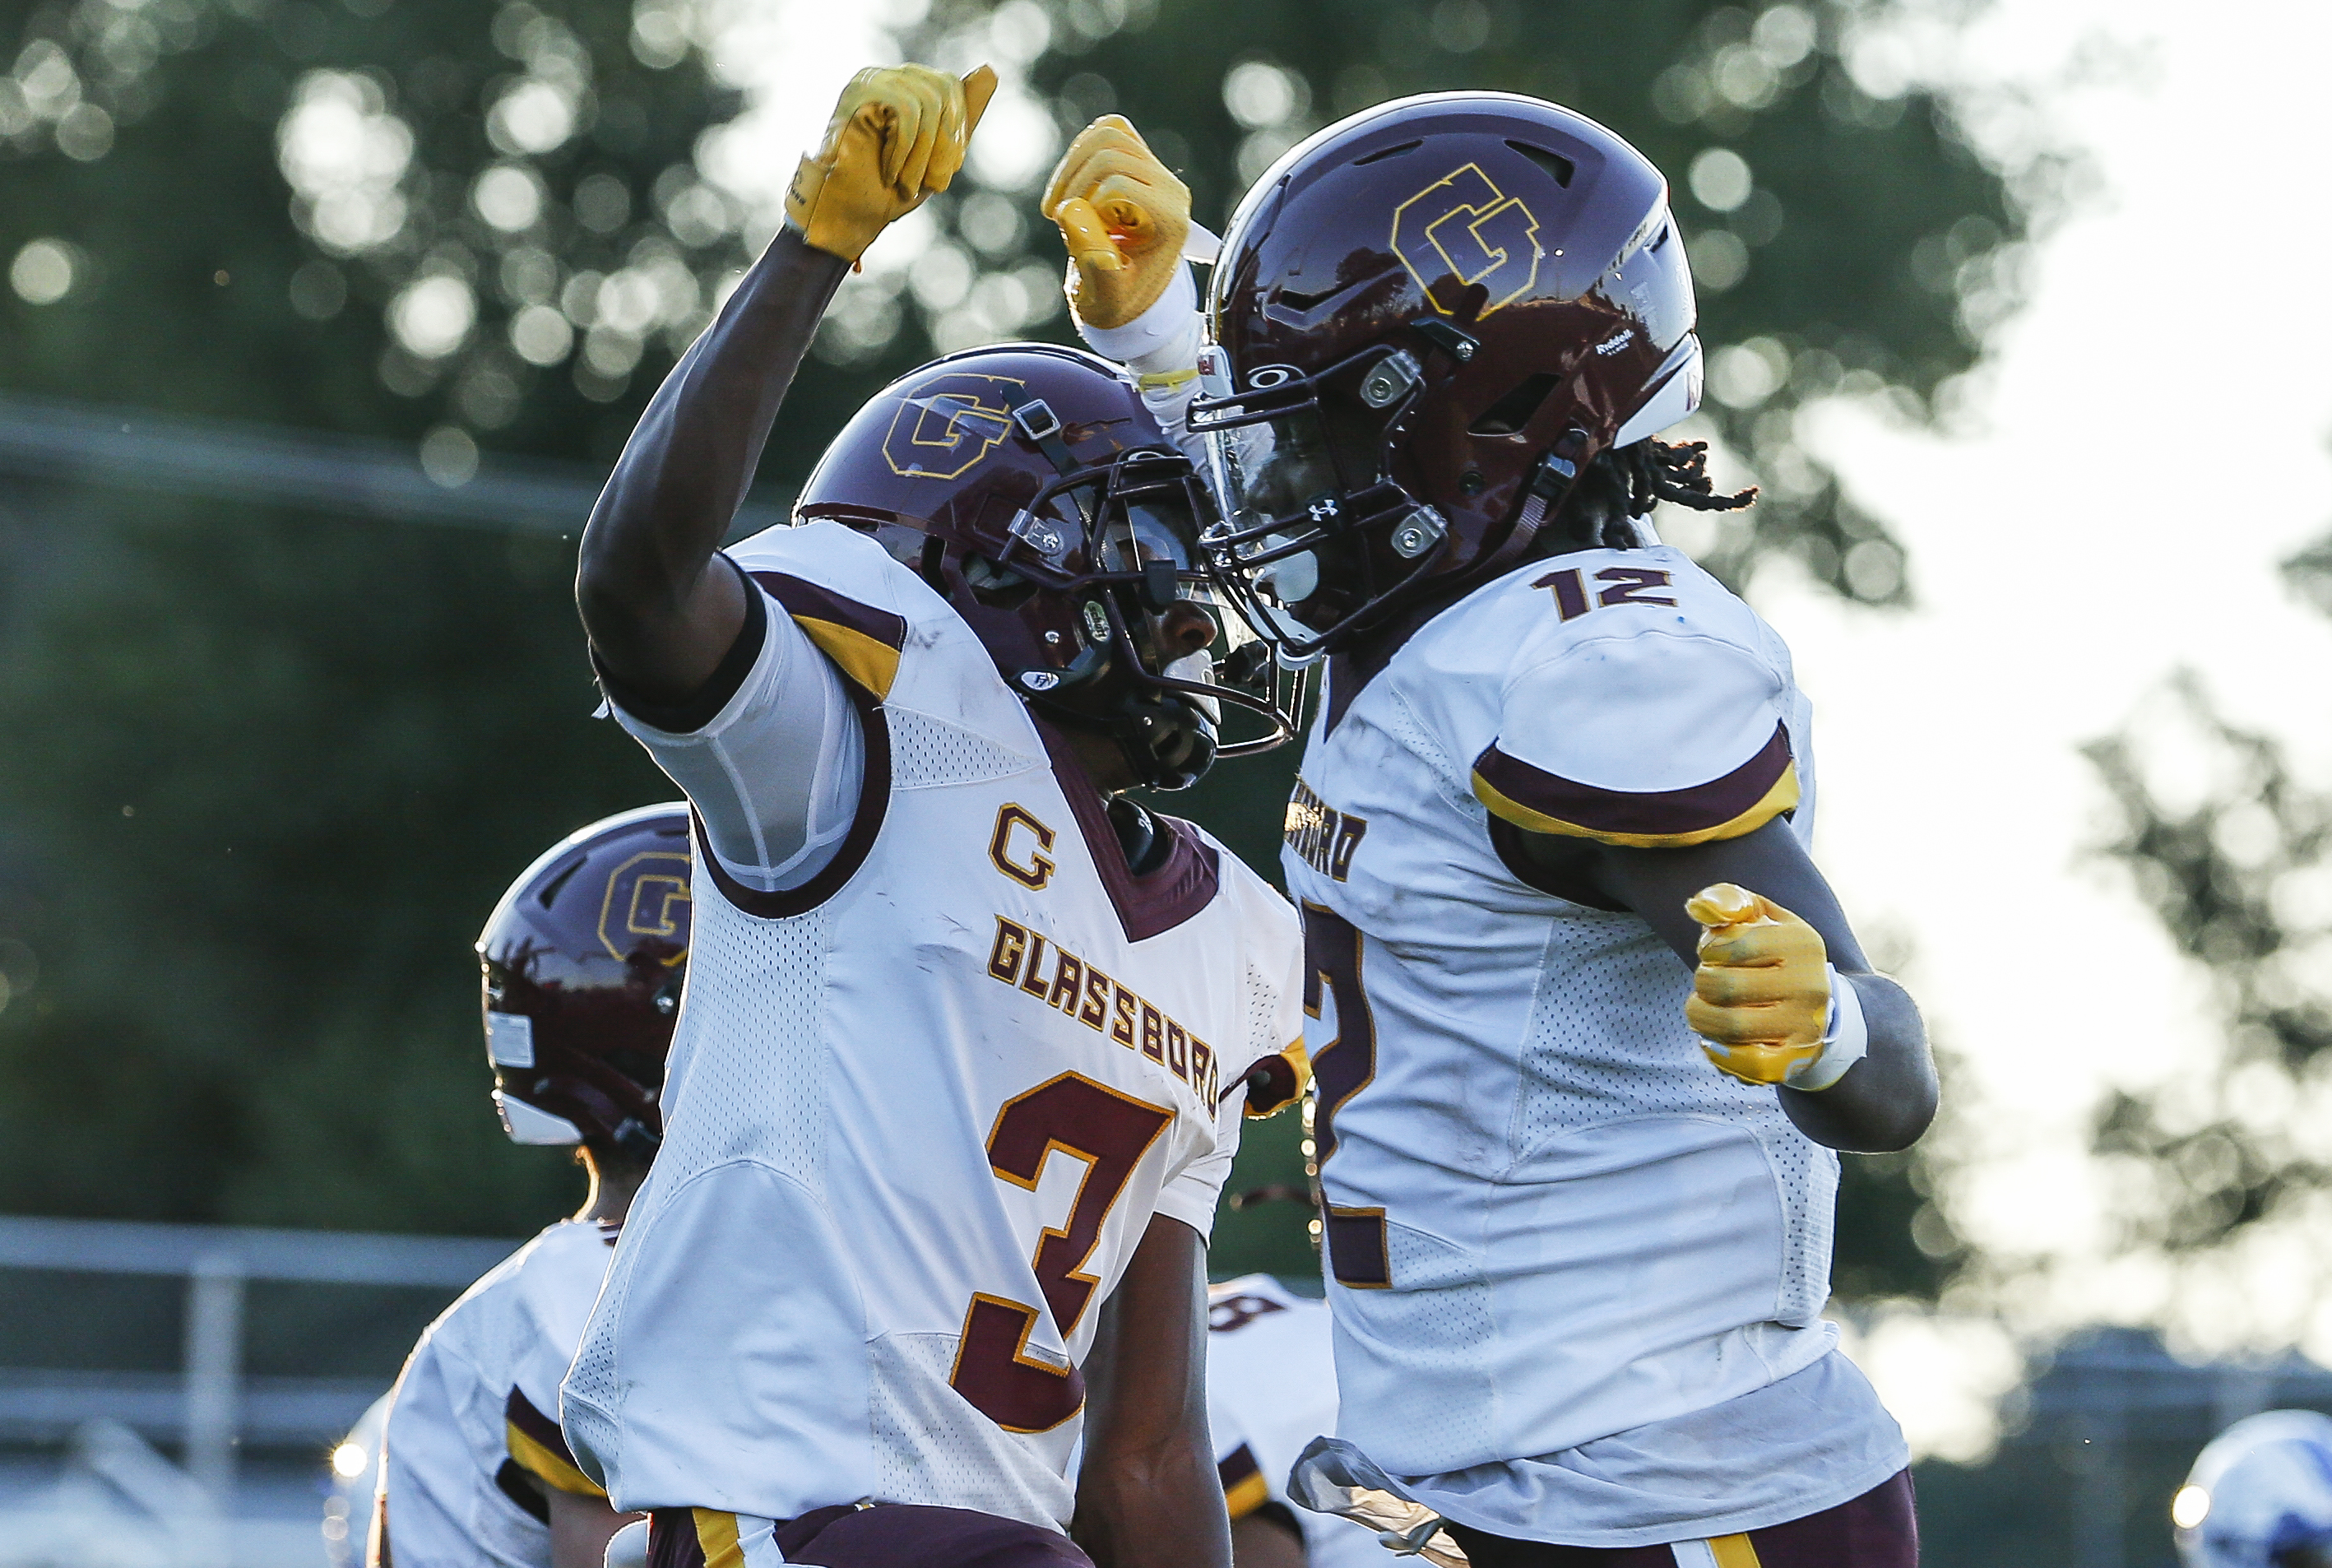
648,896
1462,230
946,425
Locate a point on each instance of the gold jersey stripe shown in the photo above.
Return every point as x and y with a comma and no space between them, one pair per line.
1246,1495
716,1538
870,661
1782,797
551,1468
1733,1552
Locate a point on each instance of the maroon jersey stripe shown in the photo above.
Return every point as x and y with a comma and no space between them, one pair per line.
1658,813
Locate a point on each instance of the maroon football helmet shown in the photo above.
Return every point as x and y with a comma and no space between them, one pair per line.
1029,485
584,957
1427,321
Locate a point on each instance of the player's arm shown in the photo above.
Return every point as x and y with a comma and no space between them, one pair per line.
1148,1495
660,616
581,1528
1125,219
1266,1539
1886,1100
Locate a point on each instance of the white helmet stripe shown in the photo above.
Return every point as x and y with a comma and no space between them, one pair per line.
526,1125
1674,397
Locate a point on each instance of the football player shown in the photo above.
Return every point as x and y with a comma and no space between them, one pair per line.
1590,1021
583,963
2260,1496
1271,1385
967,1032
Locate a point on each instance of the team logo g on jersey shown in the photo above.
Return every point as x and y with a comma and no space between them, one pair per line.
946,425
1462,230
648,896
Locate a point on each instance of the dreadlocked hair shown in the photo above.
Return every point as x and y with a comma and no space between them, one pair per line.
1656,471
1624,483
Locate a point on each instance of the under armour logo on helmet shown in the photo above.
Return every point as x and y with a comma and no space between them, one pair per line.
1323,510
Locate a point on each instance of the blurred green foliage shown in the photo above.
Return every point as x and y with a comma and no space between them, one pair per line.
2230,841
267,772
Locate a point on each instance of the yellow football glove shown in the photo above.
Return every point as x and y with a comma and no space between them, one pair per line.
897,135
1761,997
1124,217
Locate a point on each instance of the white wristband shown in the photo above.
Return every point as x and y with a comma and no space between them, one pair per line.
1846,1040
1164,336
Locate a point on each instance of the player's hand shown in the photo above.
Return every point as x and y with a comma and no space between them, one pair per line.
897,135
1124,217
1761,997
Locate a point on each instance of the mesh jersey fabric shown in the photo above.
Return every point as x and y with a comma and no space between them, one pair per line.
775,774
886,1088
1546,1207
447,1436
1271,1389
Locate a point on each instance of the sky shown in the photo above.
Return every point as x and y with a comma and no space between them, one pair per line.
2106,505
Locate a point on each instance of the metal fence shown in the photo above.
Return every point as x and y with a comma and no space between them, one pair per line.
208,1408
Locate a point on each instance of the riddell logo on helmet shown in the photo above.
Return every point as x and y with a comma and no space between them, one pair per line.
1462,230
1616,341
944,428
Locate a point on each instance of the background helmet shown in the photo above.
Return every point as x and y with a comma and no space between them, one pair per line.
2260,1496
1030,487
1427,321
584,957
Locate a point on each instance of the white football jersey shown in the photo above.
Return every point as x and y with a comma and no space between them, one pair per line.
1271,1389
478,1402
1550,1219
922,1108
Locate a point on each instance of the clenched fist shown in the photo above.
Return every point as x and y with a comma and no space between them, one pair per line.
1124,217
897,135
1761,997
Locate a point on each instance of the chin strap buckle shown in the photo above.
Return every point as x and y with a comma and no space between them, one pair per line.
1035,420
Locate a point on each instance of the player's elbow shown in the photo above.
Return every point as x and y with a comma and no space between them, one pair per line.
615,597
1896,1125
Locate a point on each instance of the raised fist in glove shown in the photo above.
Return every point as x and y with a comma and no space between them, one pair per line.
1124,217
1761,997
897,135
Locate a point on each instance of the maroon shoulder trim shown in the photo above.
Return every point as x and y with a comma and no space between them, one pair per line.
1158,901
1237,1466
801,596
520,1412
874,805
1656,813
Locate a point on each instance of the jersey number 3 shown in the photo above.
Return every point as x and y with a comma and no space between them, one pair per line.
1109,1132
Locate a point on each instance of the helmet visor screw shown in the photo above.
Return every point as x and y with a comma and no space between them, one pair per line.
1417,533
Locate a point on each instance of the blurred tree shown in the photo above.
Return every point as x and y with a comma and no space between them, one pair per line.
285,763
2231,846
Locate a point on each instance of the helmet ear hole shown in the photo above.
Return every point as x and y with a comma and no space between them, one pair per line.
1512,412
